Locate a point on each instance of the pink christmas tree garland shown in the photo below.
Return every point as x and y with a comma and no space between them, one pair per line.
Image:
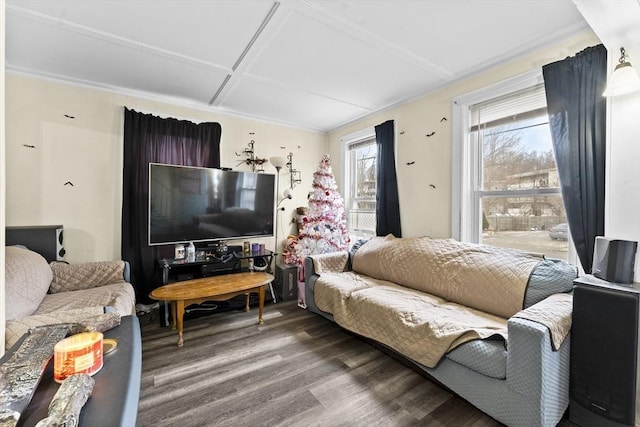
324,227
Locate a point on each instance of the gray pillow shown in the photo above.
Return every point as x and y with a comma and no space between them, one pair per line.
356,246
551,276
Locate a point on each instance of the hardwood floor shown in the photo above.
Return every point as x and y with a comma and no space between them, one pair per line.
298,369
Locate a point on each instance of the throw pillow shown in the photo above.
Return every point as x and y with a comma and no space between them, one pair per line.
27,279
75,277
551,276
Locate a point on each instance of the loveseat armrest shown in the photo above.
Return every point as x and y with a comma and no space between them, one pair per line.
74,277
339,262
333,262
535,371
554,312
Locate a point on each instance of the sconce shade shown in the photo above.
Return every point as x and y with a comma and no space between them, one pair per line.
624,78
278,162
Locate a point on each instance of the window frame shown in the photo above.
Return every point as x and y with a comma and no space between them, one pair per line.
467,189
349,176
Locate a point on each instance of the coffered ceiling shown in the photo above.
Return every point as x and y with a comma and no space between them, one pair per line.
311,64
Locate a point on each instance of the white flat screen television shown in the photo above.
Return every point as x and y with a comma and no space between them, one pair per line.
192,204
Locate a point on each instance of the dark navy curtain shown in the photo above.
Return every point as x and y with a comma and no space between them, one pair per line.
387,204
577,118
151,139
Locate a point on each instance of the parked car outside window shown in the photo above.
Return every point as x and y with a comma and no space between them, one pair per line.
559,232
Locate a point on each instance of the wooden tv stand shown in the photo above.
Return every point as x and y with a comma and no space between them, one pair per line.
235,261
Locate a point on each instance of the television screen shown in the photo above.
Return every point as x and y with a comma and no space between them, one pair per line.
191,204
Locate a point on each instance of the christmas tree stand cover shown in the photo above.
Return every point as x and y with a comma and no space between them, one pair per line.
301,288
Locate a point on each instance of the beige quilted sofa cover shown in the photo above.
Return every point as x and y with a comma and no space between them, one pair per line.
421,296
40,294
483,277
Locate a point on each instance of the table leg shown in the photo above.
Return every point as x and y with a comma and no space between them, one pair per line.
246,301
261,293
180,316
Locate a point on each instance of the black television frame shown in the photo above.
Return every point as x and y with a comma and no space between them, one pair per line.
265,196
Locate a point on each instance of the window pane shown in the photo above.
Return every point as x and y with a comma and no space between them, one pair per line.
361,215
519,156
365,176
531,223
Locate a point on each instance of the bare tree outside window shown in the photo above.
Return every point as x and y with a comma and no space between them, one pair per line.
361,213
518,173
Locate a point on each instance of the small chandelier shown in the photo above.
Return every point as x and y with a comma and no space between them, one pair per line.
624,78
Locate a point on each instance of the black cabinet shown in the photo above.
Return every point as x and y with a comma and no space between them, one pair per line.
286,283
604,350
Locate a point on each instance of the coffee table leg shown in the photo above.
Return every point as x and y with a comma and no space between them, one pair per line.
246,301
261,293
180,316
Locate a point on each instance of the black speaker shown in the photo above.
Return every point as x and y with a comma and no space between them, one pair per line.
604,349
614,260
47,240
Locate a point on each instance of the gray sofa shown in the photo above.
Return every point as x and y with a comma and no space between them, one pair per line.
514,365
38,293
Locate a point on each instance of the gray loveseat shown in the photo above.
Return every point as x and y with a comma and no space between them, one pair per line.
490,324
38,293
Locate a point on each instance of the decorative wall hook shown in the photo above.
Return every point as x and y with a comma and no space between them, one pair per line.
295,175
251,159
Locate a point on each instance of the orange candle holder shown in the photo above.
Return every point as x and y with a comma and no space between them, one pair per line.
77,354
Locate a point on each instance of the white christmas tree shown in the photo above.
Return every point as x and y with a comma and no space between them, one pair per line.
324,228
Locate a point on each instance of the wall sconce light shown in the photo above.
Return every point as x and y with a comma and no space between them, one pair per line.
624,78
295,175
251,159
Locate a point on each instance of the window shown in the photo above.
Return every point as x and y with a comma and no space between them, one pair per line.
247,189
361,159
509,190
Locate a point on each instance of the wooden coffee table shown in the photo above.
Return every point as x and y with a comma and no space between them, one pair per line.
216,288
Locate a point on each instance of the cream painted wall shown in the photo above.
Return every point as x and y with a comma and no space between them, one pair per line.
620,27
623,157
87,151
424,210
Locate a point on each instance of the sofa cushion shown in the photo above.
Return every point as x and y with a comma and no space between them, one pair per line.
488,357
73,277
483,277
340,286
422,327
27,279
121,296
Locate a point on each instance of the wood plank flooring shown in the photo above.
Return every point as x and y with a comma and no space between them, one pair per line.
298,369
